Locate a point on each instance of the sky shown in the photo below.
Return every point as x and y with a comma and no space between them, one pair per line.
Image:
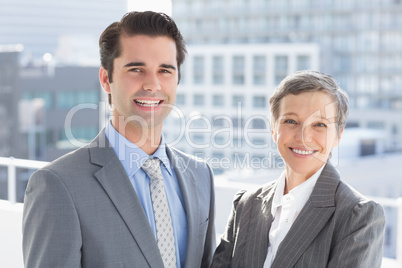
164,6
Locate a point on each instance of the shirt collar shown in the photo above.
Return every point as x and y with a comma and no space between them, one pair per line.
280,187
301,193
130,155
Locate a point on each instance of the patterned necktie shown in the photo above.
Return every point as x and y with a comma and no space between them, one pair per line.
163,222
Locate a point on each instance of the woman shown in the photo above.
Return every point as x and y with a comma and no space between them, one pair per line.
308,217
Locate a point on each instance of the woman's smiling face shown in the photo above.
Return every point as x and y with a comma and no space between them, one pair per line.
306,131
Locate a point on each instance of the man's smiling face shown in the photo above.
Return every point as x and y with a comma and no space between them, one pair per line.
145,78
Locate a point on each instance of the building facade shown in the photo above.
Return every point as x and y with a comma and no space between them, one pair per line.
69,109
360,45
9,97
67,28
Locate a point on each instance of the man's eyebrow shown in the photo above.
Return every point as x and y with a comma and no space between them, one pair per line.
132,64
168,66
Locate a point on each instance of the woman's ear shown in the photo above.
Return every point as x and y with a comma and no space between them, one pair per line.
104,79
274,132
338,139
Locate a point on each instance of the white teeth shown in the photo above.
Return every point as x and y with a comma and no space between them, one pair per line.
147,103
302,152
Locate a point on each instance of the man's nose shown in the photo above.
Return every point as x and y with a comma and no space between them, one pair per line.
151,83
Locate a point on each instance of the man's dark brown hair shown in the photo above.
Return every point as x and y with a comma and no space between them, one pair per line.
138,23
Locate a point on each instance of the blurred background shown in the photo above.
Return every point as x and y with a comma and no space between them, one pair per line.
51,101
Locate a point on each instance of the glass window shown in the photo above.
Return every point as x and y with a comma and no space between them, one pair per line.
342,63
81,133
180,99
198,138
65,100
259,70
198,100
183,73
281,68
198,70
259,102
238,122
258,124
217,70
238,141
221,140
395,129
258,141
46,96
50,139
375,125
69,99
218,155
218,100
352,124
220,122
368,41
198,123
238,70
238,100
303,62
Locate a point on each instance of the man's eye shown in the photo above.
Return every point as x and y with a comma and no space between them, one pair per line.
321,125
165,71
136,70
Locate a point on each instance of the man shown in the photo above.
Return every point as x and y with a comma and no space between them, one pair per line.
100,206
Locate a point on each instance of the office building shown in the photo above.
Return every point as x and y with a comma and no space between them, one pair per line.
9,97
68,29
360,45
67,103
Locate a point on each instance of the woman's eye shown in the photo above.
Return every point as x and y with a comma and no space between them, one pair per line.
290,121
321,125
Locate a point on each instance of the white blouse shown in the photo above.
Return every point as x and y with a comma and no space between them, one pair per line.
285,209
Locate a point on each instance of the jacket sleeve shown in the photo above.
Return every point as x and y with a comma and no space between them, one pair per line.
361,238
224,252
51,229
210,240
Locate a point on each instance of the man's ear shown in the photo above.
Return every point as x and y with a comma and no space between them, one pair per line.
104,79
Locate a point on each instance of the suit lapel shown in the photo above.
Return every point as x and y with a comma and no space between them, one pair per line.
311,220
188,188
116,184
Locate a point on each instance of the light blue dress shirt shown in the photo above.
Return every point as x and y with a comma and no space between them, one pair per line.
132,158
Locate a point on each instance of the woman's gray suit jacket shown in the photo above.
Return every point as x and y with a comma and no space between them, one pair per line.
337,228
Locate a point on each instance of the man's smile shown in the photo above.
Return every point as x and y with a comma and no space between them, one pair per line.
148,103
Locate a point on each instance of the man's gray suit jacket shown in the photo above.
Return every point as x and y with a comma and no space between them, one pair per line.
82,211
337,228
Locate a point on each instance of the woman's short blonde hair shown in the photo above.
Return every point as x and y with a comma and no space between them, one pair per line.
311,81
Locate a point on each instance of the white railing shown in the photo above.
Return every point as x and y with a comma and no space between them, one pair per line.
394,203
14,163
